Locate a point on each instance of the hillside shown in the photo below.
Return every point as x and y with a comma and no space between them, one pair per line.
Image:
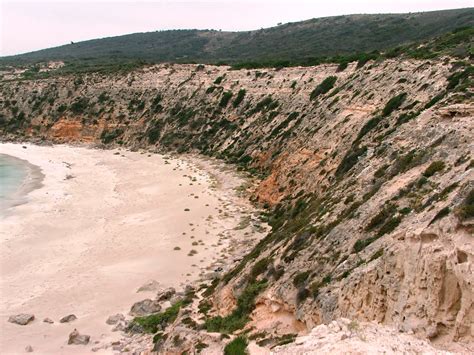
299,42
366,177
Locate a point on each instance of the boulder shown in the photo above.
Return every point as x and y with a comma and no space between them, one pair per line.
21,319
120,327
166,294
150,286
48,320
68,318
145,307
29,349
115,319
78,339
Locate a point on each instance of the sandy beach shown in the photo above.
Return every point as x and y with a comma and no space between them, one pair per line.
102,224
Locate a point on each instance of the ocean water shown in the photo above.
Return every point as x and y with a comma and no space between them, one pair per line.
13,173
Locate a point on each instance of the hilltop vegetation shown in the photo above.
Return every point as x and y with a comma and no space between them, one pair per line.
339,38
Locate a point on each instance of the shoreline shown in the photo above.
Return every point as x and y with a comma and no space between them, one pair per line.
104,223
32,181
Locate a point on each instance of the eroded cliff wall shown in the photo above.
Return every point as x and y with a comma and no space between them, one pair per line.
367,174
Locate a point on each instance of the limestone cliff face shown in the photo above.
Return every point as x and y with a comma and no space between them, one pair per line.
365,171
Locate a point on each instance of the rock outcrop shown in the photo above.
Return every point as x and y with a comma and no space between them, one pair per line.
145,307
21,319
67,319
76,338
343,336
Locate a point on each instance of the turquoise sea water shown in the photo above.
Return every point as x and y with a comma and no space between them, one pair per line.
12,175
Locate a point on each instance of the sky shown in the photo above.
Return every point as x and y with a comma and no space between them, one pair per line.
36,24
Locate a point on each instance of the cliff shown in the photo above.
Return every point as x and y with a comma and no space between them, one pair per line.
366,176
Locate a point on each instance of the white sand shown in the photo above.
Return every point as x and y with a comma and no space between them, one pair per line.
101,226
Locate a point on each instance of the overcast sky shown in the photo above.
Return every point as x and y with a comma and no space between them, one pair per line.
37,24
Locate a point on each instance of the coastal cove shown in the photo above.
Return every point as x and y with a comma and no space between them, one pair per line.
102,224
17,179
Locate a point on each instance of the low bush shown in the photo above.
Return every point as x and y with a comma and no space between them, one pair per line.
240,316
360,244
324,87
218,80
108,136
441,214
150,323
300,278
434,168
79,106
394,104
466,209
239,98
380,218
350,159
226,96
238,346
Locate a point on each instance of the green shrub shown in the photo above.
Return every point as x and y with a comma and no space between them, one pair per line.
407,161
150,323
300,278
153,135
103,97
210,89
441,214
366,128
238,346
394,104
324,87
380,218
362,243
218,80
466,209
107,137
389,226
434,168
434,100
225,99
455,79
350,159
302,294
381,171
259,267
376,255
240,316
265,103
80,105
239,98
342,66
156,104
